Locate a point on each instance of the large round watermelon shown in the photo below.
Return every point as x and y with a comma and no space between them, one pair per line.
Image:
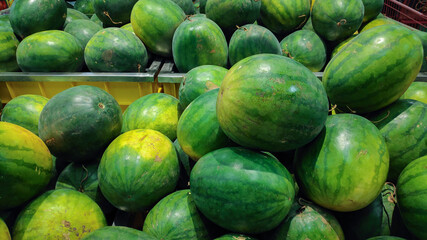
138,169
4,231
372,9
345,167
118,232
8,45
25,165
73,15
115,50
157,111
24,111
416,91
242,190
59,214
79,123
83,30
155,22
50,51
365,79
271,102
113,13
31,16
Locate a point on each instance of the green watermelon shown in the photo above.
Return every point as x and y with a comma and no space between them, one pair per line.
50,51
385,238
242,190
345,167
202,6
187,6
306,47
308,25
365,79
271,102
389,204
5,23
115,50
423,37
412,197
404,127
73,15
117,232
8,45
416,91
284,16
252,39
24,111
128,27
25,165
198,81
198,128
377,22
229,14
83,30
337,19
154,22
157,111
96,20
185,166
372,9
176,217
341,45
78,124
85,6
59,214
113,13
235,236
199,41
32,16
138,169
4,231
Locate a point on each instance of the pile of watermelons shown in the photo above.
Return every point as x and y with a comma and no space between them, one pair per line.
256,147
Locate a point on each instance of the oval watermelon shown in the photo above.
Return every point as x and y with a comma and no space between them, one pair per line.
118,232
416,91
26,165
372,9
8,45
83,30
73,15
4,231
242,190
85,6
113,13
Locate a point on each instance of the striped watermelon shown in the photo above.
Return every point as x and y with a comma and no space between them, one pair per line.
8,45
85,6
24,111
50,51
113,13
73,15
416,91
365,79
118,232
4,231
83,30
377,22
412,197
345,167
235,236
5,23
372,9
26,165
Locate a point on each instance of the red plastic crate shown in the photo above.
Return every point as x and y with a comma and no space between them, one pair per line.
409,12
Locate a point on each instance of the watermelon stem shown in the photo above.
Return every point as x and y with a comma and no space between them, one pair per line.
108,15
333,108
341,22
382,119
84,179
244,28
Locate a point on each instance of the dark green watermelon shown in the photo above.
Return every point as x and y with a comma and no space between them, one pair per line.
31,16
8,45
138,169
372,9
115,50
85,6
118,232
416,91
4,231
157,111
242,190
271,102
235,236
345,167
306,47
50,51
83,30
187,6
113,13
368,78
25,165
73,14
96,20
79,123
404,127
252,39
154,22
337,19
199,41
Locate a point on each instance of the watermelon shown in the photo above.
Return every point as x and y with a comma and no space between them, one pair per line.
199,41
306,47
202,6
78,124
341,45
138,169
32,16
235,236
24,111
198,81
198,128
284,16
5,24
365,79
186,5
50,51
242,190
376,23
128,27
345,167
8,45
4,231
117,232
59,214
83,30
271,102
115,50
252,39
185,166
154,22
85,6
423,37
338,19
229,14
25,165
176,217
113,13
416,91
404,127
389,205
157,111
308,25
72,15
372,9
96,20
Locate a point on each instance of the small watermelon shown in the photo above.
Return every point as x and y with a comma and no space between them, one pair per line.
83,30
372,9
416,91
73,15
